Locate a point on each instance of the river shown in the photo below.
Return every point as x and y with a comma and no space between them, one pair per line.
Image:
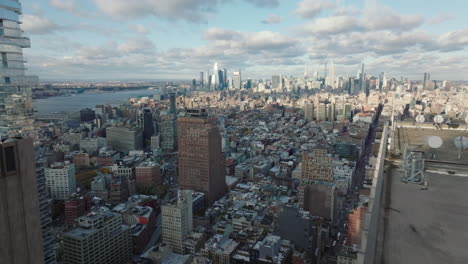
77,102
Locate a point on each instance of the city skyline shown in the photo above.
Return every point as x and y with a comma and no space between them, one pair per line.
118,40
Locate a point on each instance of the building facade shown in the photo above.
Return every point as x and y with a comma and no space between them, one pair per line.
61,180
20,222
16,96
177,221
125,139
100,238
201,160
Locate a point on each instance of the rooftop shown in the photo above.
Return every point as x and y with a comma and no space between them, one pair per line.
426,226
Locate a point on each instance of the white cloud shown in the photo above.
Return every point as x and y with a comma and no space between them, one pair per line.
311,8
272,19
67,5
333,25
35,24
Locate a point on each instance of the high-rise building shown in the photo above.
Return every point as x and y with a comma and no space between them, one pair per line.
172,104
124,139
61,180
147,174
330,81
87,115
146,123
275,82
168,132
75,207
321,112
202,81
309,112
362,78
45,207
16,88
99,238
20,222
237,80
426,82
201,160
317,166
316,192
177,221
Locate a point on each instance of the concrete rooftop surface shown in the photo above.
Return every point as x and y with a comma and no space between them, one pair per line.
426,226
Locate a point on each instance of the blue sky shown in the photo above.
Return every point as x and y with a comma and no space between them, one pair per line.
152,39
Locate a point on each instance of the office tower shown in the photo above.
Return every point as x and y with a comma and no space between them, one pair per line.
201,161
330,81
169,132
125,139
317,166
426,81
147,125
275,82
16,88
77,206
45,207
177,221
99,237
309,112
87,115
221,80
321,112
20,222
147,174
361,79
202,81
331,112
237,80
215,79
316,192
173,104
61,180
225,78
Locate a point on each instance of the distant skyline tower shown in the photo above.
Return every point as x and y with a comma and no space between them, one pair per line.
216,76
20,228
202,80
361,79
427,78
331,78
237,80
201,160
16,96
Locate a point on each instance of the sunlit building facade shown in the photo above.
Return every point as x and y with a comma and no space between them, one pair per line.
15,87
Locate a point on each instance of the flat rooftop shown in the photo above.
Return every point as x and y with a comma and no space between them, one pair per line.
426,226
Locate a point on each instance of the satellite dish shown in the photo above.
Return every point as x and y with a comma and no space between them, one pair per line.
461,142
434,142
420,119
438,119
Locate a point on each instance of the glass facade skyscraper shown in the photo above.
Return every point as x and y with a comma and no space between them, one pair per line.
15,86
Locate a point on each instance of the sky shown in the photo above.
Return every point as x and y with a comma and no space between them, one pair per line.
176,39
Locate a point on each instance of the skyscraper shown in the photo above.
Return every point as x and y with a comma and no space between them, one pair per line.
201,160
15,98
99,238
309,112
361,79
202,81
177,221
20,222
427,78
275,82
331,78
237,80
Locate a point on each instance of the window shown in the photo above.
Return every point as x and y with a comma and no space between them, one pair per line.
10,161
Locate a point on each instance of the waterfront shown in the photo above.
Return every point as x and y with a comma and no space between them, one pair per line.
77,102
